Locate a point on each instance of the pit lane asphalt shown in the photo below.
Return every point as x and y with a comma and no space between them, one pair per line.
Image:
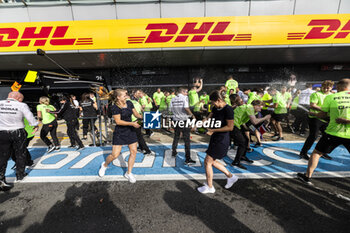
264,205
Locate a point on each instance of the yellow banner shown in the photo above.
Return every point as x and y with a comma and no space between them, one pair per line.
175,32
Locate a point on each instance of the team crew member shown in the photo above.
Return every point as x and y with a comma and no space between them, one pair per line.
89,109
68,113
180,109
243,114
124,133
49,123
170,97
280,111
13,135
338,130
163,106
193,94
157,97
146,104
266,98
30,130
142,144
316,124
219,142
304,105
231,84
204,97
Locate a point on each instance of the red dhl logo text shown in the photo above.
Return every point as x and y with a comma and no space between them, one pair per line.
165,32
39,36
323,29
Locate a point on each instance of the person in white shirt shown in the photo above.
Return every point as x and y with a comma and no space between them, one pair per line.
180,108
303,108
12,134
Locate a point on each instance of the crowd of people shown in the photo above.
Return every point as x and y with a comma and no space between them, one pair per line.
243,113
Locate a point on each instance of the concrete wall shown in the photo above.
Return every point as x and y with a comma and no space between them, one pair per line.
41,11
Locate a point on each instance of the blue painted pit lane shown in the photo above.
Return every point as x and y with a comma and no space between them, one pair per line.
272,160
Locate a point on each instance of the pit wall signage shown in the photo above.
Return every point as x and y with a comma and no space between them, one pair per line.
176,32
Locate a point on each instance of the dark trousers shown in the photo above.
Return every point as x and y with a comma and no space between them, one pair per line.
13,141
29,160
87,123
72,133
241,140
186,136
148,132
141,141
52,128
315,125
301,119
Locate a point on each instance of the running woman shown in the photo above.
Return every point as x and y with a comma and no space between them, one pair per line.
124,133
337,106
219,142
49,123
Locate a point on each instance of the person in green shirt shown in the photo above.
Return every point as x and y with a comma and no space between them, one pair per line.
255,95
204,97
280,110
141,141
337,106
231,84
199,110
163,106
157,97
170,97
193,97
49,123
146,104
316,124
267,100
243,114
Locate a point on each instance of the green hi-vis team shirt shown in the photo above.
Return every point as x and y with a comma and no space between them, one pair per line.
144,102
169,98
193,97
282,105
46,116
158,97
138,109
242,113
265,98
318,99
287,96
227,100
29,129
163,104
198,107
338,106
231,85
295,103
253,97
205,98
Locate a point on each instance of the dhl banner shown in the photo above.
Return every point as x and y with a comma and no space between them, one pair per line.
175,32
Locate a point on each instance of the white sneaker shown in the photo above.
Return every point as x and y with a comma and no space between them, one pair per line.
206,189
102,170
130,177
152,153
231,181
